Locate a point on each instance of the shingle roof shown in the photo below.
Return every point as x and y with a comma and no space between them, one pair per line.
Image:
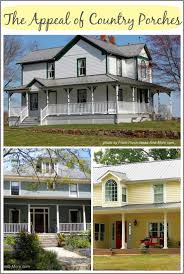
49,54
140,206
153,170
40,55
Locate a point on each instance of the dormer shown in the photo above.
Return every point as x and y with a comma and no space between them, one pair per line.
47,166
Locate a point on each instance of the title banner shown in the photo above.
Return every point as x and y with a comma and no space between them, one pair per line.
90,17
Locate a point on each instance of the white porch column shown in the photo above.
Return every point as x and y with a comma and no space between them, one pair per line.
133,98
158,102
47,93
9,104
165,230
57,217
117,93
170,104
123,231
27,99
68,99
29,219
84,217
92,100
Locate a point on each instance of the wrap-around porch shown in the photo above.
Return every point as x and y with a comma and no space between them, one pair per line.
125,101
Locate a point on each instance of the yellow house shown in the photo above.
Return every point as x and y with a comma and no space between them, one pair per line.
137,201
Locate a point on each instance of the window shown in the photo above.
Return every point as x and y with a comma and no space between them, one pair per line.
81,95
111,191
81,67
50,168
120,95
15,188
74,216
14,216
99,232
119,67
124,194
158,193
73,188
50,70
143,69
157,229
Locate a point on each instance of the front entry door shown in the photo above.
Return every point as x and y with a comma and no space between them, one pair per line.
119,234
33,104
39,223
40,220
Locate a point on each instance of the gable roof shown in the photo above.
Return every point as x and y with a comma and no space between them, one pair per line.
153,170
51,54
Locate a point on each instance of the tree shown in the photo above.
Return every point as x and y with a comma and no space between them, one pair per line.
165,51
120,156
14,49
20,160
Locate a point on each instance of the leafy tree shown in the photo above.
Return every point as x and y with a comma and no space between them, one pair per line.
120,156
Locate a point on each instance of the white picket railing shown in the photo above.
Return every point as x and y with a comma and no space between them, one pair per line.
15,227
73,227
24,113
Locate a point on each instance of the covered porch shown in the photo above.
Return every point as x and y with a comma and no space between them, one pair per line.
105,98
35,218
128,230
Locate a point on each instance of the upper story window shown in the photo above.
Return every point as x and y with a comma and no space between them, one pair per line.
73,190
50,167
158,193
111,191
124,194
119,67
81,67
50,70
15,188
143,69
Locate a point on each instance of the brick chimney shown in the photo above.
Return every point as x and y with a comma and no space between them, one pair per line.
112,39
104,38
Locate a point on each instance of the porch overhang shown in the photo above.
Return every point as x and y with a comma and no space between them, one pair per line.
138,208
19,89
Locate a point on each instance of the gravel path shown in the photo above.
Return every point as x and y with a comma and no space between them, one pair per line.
63,253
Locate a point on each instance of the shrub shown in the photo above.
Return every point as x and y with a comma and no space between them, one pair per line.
143,248
77,241
47,260
61,239
9,240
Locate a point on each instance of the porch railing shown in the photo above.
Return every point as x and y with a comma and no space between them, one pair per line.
24,113
73,227
15,227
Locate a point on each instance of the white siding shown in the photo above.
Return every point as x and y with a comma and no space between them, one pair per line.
66,66
124,69
31,71
112,65
131,68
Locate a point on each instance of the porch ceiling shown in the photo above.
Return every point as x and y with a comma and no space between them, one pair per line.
138,208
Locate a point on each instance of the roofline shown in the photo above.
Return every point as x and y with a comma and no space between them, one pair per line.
34,179
144,181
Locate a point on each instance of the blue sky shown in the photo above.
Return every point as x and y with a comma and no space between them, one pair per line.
48,41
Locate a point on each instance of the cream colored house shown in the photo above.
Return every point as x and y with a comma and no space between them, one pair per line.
137,201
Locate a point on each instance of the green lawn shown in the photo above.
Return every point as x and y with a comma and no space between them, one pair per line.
27,137
137,262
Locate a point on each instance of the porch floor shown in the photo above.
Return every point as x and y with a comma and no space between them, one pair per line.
134,251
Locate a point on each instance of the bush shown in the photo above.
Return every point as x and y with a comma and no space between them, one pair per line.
61,239
47,260
143,248
9,240
74,241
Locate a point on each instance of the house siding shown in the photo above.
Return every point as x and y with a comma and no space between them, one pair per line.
66,66
172,192
31,71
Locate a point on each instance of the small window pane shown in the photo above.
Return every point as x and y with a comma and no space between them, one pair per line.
14,188
111,191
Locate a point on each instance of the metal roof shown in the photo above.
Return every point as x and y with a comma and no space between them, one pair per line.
140,206
153,170
127,51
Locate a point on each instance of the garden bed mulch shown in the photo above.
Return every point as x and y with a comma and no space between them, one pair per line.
111,133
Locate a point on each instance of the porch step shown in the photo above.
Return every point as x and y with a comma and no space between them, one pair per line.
30,121
48,240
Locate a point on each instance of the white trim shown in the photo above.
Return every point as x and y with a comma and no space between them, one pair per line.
112,174
19,188
77,195
84,216
10,216
70,210
57,217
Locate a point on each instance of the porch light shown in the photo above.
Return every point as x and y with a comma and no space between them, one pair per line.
135,222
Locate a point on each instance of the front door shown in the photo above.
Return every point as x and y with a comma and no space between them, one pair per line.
52,97
40,220
119,234
33,104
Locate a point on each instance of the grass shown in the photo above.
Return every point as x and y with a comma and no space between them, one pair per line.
137,262
25,136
